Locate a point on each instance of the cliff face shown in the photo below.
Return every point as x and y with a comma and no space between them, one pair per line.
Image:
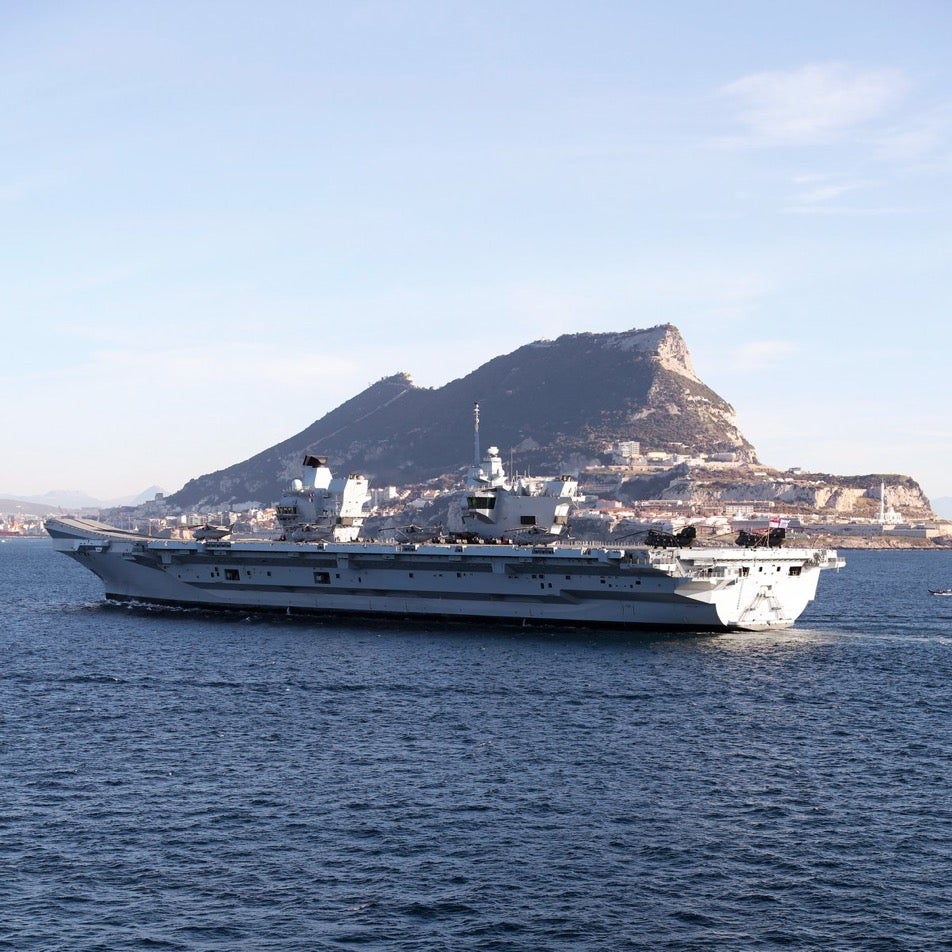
555,405
804,492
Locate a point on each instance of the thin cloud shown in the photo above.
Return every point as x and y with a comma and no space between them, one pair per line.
827,193
848,211
821,193
818,102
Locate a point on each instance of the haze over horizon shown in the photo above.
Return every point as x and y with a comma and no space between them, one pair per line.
224,221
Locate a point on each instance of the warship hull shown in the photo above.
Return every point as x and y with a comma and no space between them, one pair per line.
691,589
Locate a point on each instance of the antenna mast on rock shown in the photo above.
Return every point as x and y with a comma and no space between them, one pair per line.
477,460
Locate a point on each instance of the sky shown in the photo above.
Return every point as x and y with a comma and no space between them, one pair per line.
221,220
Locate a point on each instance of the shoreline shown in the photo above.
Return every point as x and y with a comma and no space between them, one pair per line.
879,542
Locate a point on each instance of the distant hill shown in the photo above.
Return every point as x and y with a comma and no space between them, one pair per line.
554,406
65,499
23,507
72,499
147,495
58,500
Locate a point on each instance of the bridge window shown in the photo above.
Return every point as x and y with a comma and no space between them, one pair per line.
481,502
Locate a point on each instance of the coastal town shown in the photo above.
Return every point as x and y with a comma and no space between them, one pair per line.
734,497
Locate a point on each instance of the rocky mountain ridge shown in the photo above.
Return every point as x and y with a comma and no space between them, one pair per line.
554,405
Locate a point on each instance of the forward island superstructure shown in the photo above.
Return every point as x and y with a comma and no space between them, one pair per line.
508,565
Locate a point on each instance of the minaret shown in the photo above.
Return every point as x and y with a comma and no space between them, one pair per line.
882,502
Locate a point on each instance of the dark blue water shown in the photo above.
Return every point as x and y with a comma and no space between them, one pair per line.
172,780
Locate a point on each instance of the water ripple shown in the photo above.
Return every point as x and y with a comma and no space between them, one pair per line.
184,782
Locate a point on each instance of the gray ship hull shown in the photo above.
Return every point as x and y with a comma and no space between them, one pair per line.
696,589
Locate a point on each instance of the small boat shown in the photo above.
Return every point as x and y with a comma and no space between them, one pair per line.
940,591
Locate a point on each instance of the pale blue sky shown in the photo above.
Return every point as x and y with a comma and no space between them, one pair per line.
221,220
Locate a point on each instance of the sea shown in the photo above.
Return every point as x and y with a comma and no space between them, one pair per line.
178,780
